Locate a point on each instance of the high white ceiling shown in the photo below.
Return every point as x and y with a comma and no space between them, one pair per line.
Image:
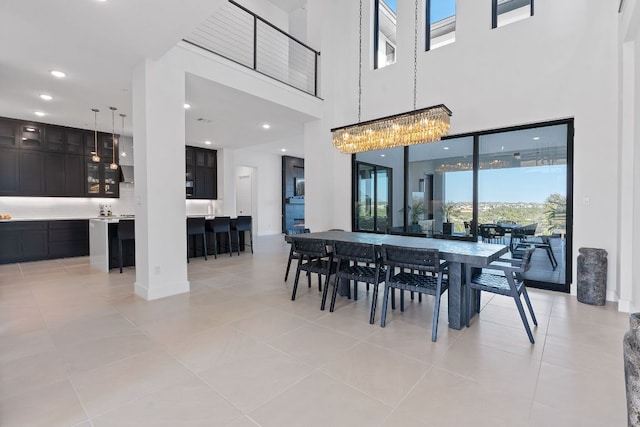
97,44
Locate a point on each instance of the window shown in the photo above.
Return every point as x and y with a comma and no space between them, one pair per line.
508,11
441,16
385,33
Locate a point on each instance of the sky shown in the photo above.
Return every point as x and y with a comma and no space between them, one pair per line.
525,184
440,9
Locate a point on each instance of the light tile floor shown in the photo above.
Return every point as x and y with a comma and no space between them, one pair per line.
78,348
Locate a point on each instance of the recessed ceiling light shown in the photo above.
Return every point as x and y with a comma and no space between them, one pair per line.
46,97
58,74
284,150
187,106
124,154
39,114
101,1
536,138
266,126
445,148
383,155
30,129
208,142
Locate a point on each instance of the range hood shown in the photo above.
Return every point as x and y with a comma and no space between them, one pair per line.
127,172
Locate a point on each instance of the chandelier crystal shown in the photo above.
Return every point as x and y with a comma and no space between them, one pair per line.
415,127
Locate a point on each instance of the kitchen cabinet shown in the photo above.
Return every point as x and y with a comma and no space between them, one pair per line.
22,241
9,178
68,238
37,159
64,175
8,133
31,173
32,136
201,173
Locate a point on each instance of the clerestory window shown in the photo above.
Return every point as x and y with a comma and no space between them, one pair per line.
508,11
441,16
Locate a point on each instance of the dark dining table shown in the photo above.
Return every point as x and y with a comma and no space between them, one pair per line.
462,257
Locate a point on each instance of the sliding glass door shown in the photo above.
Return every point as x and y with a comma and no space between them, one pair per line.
522,196
373,197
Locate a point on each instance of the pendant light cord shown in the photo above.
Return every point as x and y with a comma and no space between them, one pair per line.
360,66
415,58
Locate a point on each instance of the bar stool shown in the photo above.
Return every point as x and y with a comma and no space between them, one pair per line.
220,224
126,231
242,224
195,227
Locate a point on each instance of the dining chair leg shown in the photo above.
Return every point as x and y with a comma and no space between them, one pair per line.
286,273
334,293
187,249
523,316
295,283
324,296
238,237
402,300
383,318
436,311
251,239
528,301
231,247
374,300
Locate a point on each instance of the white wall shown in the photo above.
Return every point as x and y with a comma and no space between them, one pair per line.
560,63
267,182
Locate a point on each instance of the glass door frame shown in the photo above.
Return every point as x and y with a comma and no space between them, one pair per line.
355,191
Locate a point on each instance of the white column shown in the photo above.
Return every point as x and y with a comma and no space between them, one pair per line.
159,129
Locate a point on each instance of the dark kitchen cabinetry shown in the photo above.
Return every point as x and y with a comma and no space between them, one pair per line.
201,173
68,238
31,166
9,178
22,241
8,133
38,159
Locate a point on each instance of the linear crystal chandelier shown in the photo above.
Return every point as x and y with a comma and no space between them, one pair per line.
415,127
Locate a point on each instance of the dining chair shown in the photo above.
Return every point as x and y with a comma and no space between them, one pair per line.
195,227
126,231
425,276
350,257
313,257
504,277
523,237
292,254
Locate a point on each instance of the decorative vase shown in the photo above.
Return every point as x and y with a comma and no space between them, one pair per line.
631,347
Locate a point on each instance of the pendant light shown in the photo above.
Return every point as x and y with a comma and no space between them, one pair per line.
95,158
413,127
113,165
122,133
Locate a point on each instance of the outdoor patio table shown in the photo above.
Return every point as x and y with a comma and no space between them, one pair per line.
462,257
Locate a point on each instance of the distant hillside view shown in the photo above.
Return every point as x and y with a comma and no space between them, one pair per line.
550,215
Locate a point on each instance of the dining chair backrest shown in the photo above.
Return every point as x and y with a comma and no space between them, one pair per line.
524,231
356,252
421,259
313,248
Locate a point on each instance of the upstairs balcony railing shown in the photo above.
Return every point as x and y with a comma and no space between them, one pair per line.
240,35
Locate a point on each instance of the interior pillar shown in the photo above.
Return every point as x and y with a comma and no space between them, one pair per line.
159,134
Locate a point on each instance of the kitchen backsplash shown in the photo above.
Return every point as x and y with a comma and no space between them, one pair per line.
71,207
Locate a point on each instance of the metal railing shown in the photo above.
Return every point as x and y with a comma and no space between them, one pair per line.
240,35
